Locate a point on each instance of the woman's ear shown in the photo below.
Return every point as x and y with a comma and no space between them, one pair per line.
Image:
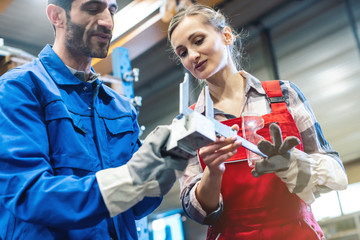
228,36
56,15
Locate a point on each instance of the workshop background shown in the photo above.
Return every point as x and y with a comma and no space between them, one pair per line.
313,43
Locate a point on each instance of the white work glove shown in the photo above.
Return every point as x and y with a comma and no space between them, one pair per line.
294,167
152,162
150,172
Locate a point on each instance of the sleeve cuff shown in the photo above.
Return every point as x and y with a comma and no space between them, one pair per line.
330,173
118,191
210,218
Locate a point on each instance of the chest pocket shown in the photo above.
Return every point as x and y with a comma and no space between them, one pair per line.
119,125
122,133
72,148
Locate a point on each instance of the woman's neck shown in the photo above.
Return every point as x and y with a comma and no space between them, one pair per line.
226,86
228,92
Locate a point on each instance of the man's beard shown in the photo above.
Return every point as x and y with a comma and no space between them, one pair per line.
75,42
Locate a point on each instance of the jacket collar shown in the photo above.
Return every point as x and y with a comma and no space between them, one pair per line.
56,68
59,72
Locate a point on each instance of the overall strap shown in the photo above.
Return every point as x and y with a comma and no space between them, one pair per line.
274,95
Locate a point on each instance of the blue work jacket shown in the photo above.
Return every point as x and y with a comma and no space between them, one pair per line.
55,133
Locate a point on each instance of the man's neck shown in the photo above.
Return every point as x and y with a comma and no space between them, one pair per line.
75,61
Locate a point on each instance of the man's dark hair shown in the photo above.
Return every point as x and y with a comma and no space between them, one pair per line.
65,4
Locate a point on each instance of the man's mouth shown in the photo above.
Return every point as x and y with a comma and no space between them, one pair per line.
103,37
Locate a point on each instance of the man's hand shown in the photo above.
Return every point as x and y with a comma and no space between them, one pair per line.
150,162
149,173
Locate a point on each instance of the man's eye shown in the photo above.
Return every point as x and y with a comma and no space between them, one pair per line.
93,10
112,11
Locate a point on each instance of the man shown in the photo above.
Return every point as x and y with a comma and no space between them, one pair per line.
68,168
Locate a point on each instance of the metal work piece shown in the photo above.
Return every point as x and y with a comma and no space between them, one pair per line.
194,130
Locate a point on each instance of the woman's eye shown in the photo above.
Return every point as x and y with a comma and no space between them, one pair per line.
182,54
199,41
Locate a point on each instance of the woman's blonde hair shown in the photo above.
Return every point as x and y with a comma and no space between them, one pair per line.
213,18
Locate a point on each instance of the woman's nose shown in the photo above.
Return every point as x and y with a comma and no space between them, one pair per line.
193,55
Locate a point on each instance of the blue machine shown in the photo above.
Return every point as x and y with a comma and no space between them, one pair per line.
123,71
167,225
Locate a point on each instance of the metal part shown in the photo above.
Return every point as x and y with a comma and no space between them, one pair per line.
136,102
132,76
184,96
190,133
195,130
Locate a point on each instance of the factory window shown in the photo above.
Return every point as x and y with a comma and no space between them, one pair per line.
335,204
317,50
315,44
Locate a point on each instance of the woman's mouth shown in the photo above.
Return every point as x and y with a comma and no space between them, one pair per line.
201,65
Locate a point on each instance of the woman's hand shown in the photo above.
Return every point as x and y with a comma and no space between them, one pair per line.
215,154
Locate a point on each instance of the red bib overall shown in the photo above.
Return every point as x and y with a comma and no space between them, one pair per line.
263,208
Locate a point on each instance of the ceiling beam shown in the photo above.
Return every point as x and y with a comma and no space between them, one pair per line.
139,38
4,4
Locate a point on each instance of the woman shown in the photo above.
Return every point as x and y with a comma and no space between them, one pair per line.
270,201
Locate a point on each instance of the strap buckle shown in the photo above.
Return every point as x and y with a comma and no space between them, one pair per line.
276,99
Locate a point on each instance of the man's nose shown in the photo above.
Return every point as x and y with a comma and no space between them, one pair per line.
106,20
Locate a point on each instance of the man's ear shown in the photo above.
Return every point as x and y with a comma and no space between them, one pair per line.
56,15
228,36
